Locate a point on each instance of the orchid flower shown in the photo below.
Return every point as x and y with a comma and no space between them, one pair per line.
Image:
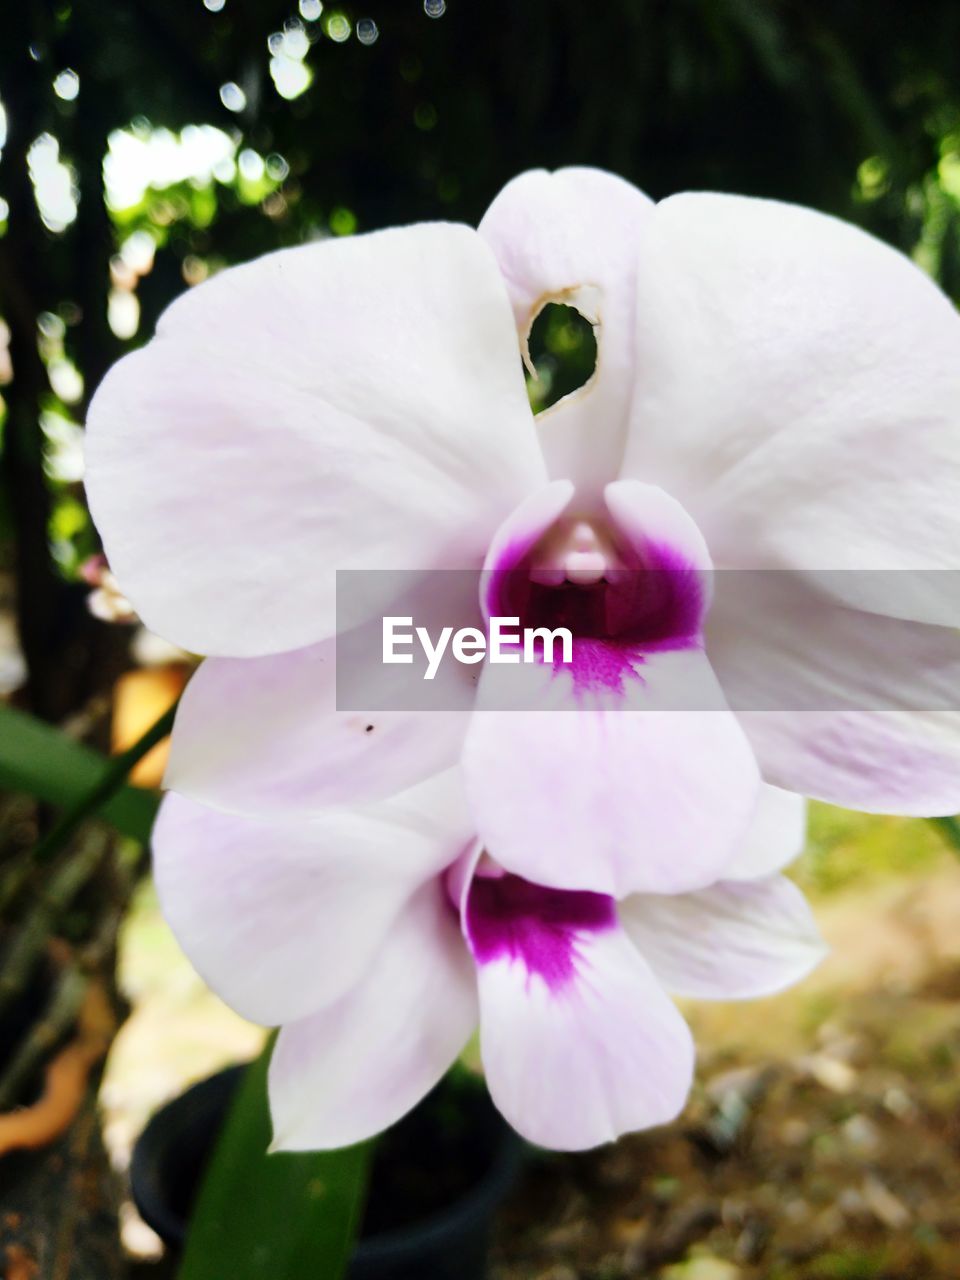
774,390
380,935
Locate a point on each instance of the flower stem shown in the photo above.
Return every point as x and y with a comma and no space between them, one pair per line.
110,781
286,1214
26,947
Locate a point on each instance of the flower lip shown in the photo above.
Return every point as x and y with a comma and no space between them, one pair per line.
582,574
506,917
574,550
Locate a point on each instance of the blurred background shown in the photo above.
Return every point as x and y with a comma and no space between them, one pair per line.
145,144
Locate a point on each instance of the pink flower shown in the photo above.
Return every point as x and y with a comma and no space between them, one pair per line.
774,390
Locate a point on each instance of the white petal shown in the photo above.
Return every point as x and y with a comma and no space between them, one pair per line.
281,917
842,705
517,536
573,237
774,838
264,736
657,527
623,770
800,394
345,1074
876,761
575,1067
355,404
733,941
620,793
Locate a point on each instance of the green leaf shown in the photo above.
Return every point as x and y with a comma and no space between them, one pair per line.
287,1214
950,830
42,761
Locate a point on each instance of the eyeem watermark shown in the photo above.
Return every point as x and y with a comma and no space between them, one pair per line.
395,648
471,645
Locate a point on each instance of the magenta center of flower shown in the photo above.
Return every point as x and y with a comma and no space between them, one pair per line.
618,602
509,918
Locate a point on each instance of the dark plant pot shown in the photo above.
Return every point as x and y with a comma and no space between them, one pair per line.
438,1177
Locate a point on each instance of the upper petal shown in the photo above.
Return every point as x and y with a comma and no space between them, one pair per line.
342,1075
351,404
281,916
731,941
573,237
800,395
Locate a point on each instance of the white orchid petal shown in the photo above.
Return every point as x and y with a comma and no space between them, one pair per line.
579,1042
839,704
622,770
573,237
875,761
799,394
280,917
264,736
619,795
774,838
518,533
732,941
343,1075
356,404
653,521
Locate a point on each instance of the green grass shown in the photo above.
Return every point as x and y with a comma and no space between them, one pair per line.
846,848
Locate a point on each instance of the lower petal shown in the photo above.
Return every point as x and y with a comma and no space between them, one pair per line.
583,1046
579,1042
733,941
622,769
620,791
281,916
346,1073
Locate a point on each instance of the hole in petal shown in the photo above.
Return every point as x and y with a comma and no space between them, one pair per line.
563,350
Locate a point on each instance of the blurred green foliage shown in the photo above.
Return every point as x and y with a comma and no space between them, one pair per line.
286,1214
845,848
219,129
562,348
